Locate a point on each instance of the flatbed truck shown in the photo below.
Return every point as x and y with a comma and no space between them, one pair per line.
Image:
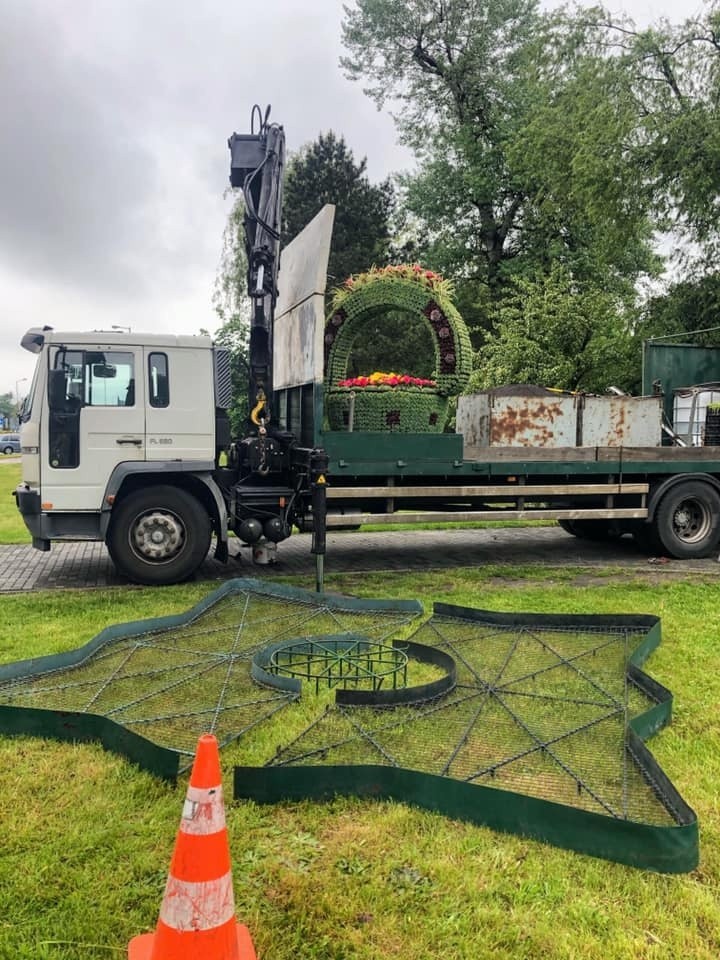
126,439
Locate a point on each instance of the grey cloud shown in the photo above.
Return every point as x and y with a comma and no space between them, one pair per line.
75,182
113,160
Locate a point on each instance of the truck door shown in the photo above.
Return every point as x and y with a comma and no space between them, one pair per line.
180,409
96,420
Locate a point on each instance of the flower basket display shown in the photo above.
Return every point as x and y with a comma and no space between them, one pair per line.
394,402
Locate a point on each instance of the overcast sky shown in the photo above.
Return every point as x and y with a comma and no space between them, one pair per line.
114,120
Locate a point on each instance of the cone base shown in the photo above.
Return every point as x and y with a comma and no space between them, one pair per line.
141,948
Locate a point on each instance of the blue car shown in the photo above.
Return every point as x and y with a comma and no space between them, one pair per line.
10,443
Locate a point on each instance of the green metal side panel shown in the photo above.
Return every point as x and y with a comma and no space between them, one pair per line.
371,454
678,365
441,455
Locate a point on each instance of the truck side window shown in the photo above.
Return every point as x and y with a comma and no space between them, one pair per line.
109,379
158,384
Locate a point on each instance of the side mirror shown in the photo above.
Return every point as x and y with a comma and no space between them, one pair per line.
56,389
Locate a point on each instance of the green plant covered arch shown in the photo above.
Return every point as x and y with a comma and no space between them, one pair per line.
400,408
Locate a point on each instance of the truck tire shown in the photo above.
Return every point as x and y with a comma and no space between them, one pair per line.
646,538
592,529
568,526
159,535
687,520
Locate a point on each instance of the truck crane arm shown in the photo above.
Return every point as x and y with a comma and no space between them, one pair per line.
257,167
257,163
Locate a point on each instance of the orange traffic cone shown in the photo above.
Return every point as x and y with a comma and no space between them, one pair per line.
197,915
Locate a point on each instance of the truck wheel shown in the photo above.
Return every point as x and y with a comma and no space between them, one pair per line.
568,526
646,538
592,529
159,535
687,520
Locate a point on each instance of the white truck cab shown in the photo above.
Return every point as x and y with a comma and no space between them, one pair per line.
108,416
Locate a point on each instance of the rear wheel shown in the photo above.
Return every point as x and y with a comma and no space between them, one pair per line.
159,535
592,529
568,526
8,450
687,520
646,538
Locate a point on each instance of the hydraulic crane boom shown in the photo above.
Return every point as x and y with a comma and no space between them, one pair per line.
257,166
257,162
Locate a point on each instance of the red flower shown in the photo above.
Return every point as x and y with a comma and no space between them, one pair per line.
386,380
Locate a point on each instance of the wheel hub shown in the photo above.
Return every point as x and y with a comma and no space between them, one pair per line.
690,521
158,536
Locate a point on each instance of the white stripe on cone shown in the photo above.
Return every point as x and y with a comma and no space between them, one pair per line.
203,811
188,907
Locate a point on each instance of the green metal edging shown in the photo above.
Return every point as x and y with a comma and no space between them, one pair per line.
670,849
134,628
75,726
663,849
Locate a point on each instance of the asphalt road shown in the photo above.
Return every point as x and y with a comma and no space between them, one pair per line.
70,565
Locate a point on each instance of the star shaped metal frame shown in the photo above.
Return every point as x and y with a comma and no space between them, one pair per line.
533,724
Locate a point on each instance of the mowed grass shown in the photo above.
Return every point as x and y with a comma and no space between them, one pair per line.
12,527
87,838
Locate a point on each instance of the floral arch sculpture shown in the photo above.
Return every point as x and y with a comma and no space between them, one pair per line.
394,402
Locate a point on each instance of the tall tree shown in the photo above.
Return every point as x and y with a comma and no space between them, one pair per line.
232,307
553,331
543,173
674,77
519,132
8,405
326,171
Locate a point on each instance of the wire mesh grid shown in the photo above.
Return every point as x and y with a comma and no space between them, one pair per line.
171,685
537,710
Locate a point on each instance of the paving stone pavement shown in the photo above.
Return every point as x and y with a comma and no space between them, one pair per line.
86,564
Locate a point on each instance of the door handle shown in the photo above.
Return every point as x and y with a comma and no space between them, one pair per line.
136,442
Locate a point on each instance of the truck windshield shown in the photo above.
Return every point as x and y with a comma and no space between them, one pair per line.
25,411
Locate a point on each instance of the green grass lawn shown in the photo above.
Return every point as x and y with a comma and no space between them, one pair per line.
87,838
12,528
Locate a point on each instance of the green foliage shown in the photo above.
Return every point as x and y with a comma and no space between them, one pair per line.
232,307
8,405
396,341
520,133
675,75
558,333
325,171
547,138
684,308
